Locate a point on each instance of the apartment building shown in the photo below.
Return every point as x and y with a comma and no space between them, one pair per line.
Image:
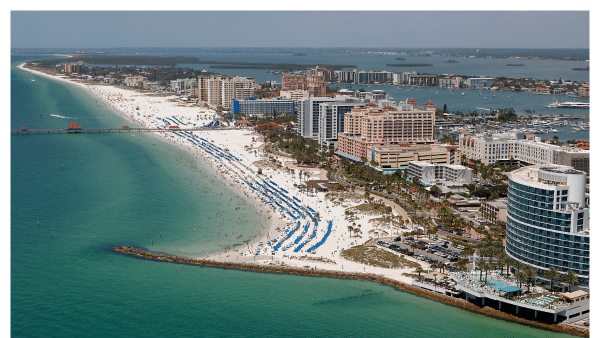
75,67
422,80
314,80
219,90
364,76
480,82
259,107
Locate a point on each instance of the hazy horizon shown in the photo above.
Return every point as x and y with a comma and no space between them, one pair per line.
301,29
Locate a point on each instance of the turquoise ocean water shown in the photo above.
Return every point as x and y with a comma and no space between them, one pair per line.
73,197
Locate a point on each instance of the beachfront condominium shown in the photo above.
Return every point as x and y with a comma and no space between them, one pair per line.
548,219
374,125
74,67
322,118
219,90
259,107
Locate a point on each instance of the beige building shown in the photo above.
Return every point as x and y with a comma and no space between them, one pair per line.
389,158
372,125
495,210
314,80
219,90
295,94
135,81
75,67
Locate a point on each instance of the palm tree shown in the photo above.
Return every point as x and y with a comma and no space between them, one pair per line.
518,265
462,263
480,264
570,278
487,267
551,275
520,276
418,270
530,275
413,245
503,259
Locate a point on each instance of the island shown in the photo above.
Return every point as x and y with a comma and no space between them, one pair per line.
409,65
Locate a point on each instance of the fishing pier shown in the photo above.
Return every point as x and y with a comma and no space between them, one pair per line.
74,128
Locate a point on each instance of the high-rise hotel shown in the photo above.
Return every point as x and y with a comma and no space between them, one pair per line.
548,219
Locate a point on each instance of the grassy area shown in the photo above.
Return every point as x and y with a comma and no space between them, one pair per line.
377,257
315,259
372,209
265,164
345,196
384,222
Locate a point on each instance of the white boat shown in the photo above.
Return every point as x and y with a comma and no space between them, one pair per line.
583,105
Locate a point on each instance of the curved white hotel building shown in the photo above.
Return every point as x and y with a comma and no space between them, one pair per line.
548,220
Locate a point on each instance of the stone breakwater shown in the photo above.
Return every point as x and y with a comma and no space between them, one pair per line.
456,302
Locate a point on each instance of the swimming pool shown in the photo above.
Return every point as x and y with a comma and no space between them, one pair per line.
497,284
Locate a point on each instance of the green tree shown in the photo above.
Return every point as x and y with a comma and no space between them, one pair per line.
461,264
486,267
530,275
480,264
419,270
552,274
520,276
570,278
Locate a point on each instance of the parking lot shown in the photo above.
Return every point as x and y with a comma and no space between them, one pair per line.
430,251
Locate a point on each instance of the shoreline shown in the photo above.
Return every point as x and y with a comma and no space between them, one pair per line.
369,277
230,258
269,220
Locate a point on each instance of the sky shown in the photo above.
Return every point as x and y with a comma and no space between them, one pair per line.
396,29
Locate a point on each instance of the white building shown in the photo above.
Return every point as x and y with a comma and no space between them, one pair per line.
428,172
525,148
480,82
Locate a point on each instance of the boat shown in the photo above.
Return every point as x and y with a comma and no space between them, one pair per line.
581,105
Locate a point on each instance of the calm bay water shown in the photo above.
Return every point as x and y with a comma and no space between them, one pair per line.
73,197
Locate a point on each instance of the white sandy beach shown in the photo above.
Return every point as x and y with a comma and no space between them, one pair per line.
232,154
